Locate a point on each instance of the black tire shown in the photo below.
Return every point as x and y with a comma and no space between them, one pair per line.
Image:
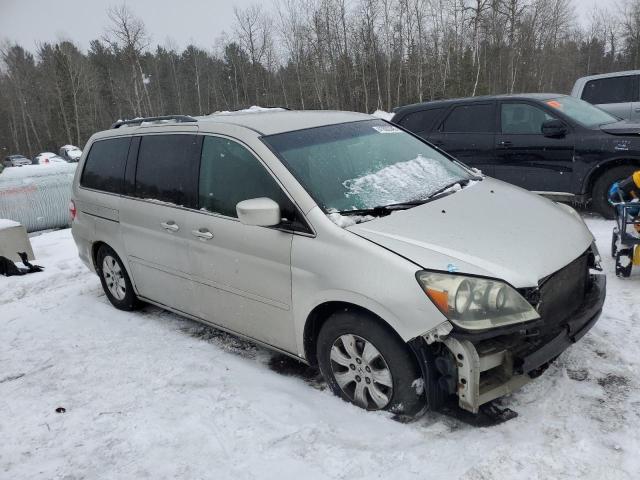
405,397
600,192
624,262
614,242
128,300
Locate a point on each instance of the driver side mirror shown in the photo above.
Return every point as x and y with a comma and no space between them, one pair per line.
554,129
259,212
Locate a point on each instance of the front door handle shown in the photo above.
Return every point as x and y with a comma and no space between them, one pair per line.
505,143
203,233
170,226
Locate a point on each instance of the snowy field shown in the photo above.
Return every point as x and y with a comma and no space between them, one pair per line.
152,395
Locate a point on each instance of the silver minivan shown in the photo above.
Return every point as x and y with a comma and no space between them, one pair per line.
343,241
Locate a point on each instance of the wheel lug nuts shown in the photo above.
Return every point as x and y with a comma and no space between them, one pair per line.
352,366
358,379
358,361
368,380
367,369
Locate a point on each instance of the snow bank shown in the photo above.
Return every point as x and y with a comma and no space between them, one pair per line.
417,177
149,394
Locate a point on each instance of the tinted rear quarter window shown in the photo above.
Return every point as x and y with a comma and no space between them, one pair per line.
105,164
167,169
422,121
478,118
611,90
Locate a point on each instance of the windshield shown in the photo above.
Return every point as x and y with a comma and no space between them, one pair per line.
582,112
362,165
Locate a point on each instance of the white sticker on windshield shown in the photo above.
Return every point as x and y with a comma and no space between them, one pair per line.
387,129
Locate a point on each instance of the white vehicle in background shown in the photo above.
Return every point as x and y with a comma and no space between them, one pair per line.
45,158
70,153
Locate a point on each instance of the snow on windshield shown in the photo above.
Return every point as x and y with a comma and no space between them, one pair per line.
401,182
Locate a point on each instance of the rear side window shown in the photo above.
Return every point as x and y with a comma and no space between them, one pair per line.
611,90
229,174
167,169
421,122
105,164
478,118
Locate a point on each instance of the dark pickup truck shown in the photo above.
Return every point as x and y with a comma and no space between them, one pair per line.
553,144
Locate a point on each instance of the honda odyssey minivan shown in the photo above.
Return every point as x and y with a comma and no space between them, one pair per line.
343,241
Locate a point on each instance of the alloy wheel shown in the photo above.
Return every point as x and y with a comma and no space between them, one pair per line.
113,277
361,372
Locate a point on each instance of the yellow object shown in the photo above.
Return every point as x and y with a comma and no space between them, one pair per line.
636,178
636,255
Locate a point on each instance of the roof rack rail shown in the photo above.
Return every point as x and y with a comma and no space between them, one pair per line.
137,121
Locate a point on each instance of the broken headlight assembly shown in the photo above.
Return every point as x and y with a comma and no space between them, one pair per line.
475,303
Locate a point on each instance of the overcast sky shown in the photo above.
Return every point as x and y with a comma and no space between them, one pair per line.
29,22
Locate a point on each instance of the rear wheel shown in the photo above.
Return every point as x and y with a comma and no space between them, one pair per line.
115,280
600,192
366,364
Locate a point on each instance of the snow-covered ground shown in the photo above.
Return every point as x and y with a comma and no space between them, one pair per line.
152,395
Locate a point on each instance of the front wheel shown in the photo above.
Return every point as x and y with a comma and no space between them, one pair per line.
600,192
366,364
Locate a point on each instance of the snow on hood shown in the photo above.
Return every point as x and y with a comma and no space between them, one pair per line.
421,176
494,229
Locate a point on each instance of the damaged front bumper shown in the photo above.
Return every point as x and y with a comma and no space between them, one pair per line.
482,367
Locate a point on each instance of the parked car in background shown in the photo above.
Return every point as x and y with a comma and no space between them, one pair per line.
16,161
70,153
618,93
344,242
551,144
45,158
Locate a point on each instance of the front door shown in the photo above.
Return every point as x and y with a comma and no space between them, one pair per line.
526,157
152,218
242,274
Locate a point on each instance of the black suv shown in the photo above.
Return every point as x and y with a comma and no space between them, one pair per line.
550,143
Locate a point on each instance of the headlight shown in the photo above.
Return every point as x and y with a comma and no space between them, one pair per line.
476,303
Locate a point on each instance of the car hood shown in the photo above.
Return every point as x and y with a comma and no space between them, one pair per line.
489,228
621,128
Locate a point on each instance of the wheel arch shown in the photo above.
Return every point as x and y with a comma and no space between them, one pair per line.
95,246
322,312
600,169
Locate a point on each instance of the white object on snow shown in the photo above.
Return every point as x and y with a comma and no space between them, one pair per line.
14,239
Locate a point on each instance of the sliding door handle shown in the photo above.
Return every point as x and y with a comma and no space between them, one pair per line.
170,226
203,234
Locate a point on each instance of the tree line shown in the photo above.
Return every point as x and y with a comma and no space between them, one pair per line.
359,55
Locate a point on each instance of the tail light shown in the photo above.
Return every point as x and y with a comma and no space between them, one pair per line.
72,210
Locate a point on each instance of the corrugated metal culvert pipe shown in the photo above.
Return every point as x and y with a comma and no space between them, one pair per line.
37,196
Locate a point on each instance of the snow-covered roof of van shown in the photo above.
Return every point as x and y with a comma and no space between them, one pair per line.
276,120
